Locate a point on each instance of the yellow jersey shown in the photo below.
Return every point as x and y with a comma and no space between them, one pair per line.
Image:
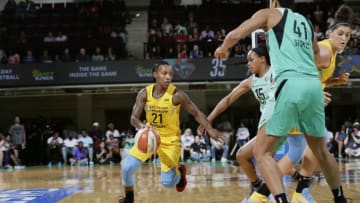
326,73
163,115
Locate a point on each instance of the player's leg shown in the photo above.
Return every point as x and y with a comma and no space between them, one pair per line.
131,163
244,157
284,117
264,150
312,122
302,193
328,165
171,172
169,178
297,145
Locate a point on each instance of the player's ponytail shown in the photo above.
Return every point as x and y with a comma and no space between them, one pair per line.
261,50
343,17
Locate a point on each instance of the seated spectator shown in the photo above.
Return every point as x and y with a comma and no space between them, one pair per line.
97,135
181,37
181,51
29,58
339,138
330,142
22,39
318,14
352,141
238,51
88,145
204,139
170,53
120,33
129,142
83,56
45,58
179,28
3,56
207,34
356,32
110,56
198,151
242,135
111,131
60,37
66,57
30,5
14,58
192,24
10,6
318,34
93,9
97,56
187,139
166,26
79,155
114,145
69,143
2,142
220,36
9,158
218,147
49,38
55,144
102,155
196,52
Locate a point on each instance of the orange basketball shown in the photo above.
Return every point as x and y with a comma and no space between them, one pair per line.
147,140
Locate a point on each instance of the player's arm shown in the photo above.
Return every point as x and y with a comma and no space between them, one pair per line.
138,109
343,79
324,57
258,20
183,99
229,99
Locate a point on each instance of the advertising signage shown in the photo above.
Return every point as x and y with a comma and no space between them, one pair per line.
135,71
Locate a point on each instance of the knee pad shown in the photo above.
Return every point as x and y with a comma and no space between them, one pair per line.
297,144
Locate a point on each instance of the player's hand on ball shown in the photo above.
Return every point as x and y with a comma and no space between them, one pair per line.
327,98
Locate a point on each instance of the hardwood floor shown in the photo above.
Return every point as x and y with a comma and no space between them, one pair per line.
207,182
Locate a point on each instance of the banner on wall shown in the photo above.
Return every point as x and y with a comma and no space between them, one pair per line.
134,71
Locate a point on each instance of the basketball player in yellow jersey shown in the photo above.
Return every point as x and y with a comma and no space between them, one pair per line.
161,102
338,36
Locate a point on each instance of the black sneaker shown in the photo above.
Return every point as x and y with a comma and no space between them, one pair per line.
125,200
183,182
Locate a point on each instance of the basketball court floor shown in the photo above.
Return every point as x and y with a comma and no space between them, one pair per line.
207,182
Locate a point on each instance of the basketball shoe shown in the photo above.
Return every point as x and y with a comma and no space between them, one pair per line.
258,198
304,197
251,190
183,182
124,200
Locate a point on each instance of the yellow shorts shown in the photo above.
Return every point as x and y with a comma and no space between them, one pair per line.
169,154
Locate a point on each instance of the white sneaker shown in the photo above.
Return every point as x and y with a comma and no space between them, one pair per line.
91,163
223,160
213,160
